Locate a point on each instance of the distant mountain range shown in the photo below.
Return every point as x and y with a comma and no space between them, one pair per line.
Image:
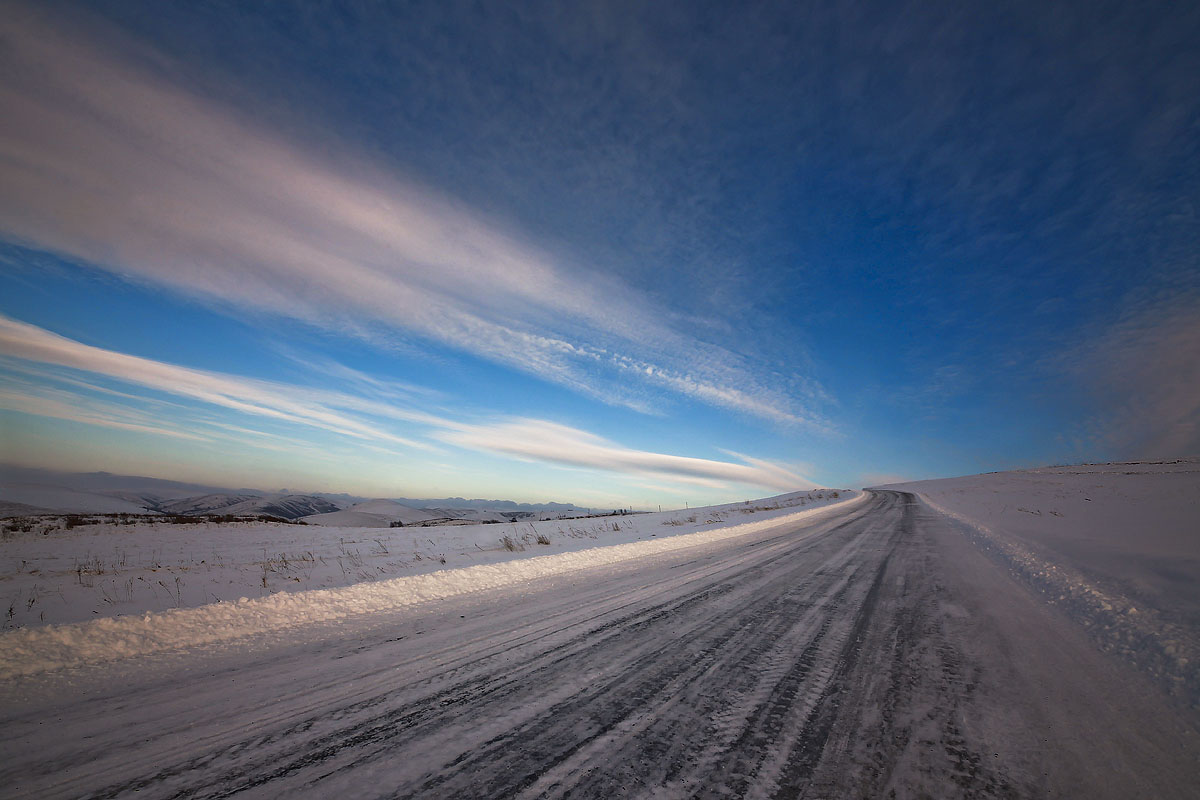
286,506
25,490
505,505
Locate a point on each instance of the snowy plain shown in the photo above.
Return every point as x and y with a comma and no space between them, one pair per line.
864,649
96,592
892,644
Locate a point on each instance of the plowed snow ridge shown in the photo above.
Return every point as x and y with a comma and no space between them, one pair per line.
35,650
1168,652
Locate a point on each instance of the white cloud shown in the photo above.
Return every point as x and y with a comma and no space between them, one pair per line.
559,444
43,401
260,398
104,160
355,417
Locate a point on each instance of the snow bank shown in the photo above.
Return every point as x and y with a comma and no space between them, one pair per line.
33,650
1115,546
52,574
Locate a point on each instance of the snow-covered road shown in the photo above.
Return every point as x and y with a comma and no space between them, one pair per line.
871,649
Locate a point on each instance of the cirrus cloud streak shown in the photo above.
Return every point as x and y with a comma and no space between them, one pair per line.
107,161
364,420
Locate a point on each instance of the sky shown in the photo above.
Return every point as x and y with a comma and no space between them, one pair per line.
628,254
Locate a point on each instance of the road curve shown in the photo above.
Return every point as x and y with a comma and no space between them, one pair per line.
872,652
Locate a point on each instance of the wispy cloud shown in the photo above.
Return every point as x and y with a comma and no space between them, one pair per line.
259,398
106,161
1145,371
560,444
362,420
44,403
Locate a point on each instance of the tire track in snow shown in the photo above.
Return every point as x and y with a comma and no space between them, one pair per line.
624,696
707,686
1169,652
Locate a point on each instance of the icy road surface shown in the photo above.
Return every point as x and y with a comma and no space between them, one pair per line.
873,650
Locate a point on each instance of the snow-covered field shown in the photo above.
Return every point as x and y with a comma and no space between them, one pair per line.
208,581
1114,546
869,647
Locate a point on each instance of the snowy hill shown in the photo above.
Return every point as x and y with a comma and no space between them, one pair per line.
106,483
370,514
27,490
65,499
506,508
10,509
468,515
207,504
285,506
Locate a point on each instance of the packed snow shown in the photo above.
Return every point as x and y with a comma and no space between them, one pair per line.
1114,546
101,591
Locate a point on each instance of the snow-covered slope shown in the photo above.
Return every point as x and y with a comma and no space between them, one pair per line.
207,504
285,506
370,514
1133,525
10,509
67,500
466,515
139,489
506,507
1115,546
39,491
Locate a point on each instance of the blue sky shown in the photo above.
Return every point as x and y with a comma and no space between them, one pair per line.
616,254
